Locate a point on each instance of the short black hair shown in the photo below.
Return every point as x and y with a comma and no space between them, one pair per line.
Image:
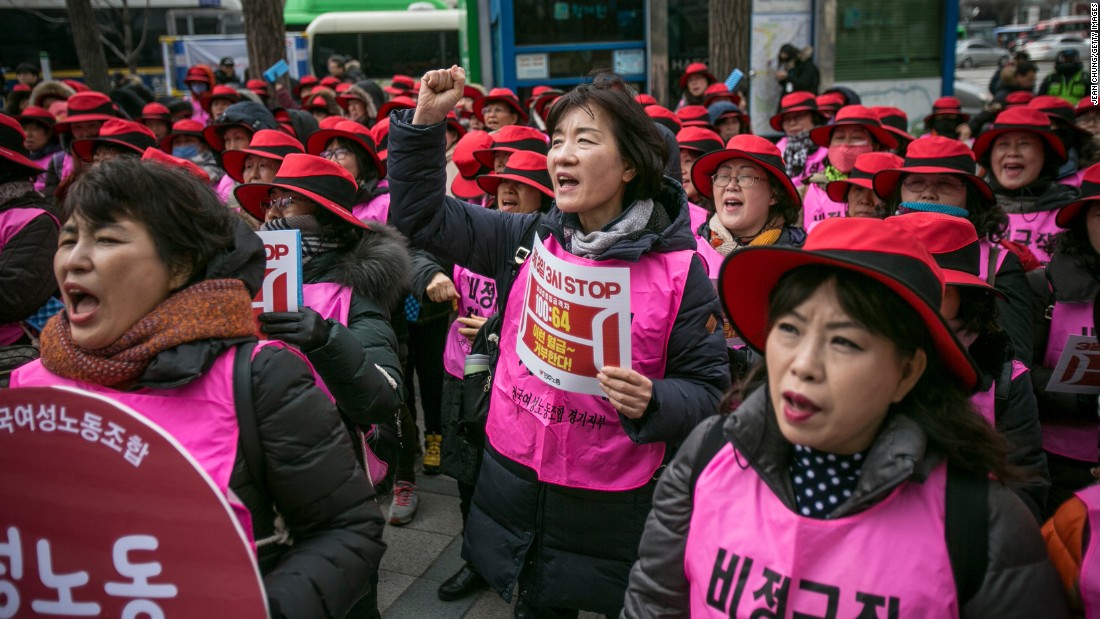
26,67
1025,67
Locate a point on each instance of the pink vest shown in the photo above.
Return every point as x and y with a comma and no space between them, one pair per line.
1089,581
572,439
11,222
747,554
200,115
985,246
40,180
201,415
477,296
816,207
224,188
1035,230
985,402
1072,440
1073,180
711,258
378,209
814,163
697,216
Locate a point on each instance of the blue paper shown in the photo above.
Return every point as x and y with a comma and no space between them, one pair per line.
734,79
276,71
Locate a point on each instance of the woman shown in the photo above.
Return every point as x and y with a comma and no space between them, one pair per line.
199,81
358,105
798,115
186,140
158,296
233,130
694,143
523,186
41,142
693,84
544,516
260,160
499,108
728,120
857,452
217,101
350,144
857,191
939,176
158,118
1070,427
755,202
855,131
1022,156
117,138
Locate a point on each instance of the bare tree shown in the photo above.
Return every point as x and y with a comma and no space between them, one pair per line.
118,23
730,34
265,33
89,50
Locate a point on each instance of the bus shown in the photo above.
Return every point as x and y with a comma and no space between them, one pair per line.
1071,24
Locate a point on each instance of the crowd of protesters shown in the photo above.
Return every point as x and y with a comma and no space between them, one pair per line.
848,344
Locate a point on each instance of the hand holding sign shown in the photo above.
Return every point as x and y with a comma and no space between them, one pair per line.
305,328
440,91
628,391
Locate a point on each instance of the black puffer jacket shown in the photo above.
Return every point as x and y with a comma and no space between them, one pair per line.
359,360
26,259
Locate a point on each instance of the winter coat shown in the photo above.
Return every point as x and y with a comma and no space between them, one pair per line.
574,546
50,88
802,73
359,359
1016,311
1019,581
26,260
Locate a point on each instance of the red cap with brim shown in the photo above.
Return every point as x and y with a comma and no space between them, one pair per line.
1090,193
503,95
878,249
696,68
267,143
125,134
214,134
744,146
854,116
862,175
85,107
523,167
1020,119
465,189
801,101
935,155
187,127
155,154
11,145
325,182
953,243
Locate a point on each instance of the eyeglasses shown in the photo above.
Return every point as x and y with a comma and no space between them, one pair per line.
744,180
336,154
281,203
917,184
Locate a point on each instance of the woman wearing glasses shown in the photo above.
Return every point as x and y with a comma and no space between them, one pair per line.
350,144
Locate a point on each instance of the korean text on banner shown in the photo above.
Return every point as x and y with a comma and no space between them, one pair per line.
576,320
282,289
1078,369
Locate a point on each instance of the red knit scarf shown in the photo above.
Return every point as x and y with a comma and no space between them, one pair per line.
212,309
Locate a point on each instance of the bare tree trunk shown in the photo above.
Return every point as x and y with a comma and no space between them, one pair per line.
89,51
730,33
266,34
128,38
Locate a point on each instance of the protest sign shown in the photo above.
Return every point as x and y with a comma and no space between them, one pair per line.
282,289
104,514
1078,369
576,320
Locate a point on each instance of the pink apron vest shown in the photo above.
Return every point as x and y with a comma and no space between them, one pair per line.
711,258
201,415
225,187
814,163
572,439
817,207
477,296
1035,230
11,222
40,180
985,402
747,554
68,164
984,248
697,216
200,115
378,209
1073,180
1089,581
1072,440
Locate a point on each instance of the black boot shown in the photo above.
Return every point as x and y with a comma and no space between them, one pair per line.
464,582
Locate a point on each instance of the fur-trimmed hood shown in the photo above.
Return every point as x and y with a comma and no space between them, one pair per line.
372,109
50,88
378,268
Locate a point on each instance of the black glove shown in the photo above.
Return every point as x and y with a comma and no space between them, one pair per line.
305,328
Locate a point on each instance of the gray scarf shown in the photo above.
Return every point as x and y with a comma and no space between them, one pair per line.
798,151
595,243
307,225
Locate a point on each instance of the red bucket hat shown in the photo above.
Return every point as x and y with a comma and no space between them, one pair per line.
469,168
699,140
524,167
947,106
397,103
124,133
801,101
11,145
693,116
155,111
199,73
862,175
266,143
154,154
316,102
503,95
85,107
664,116
307,81
744,146
538,92
453,123
1060,112
381,134
1018,98
1020,118
330,82
645,100
875,248
830,102
219,92
186,126
328,122
894,120
257,86
35,114
511,139
953,243
401,85
325,182
347,95
347,130
1084,106
718,92
854,116
1090,192
696,68
935,155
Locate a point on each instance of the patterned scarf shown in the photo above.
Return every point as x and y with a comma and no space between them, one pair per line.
595,243
823,481
798,150
212,309
307,225
724,243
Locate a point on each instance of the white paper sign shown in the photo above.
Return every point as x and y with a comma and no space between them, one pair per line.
1078,369
282,289
576,320
532,66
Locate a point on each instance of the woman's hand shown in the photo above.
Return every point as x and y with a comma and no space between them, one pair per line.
440,90
305,328
629,391
441,288
472,326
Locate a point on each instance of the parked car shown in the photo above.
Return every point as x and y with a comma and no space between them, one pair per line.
978,52
1047,48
